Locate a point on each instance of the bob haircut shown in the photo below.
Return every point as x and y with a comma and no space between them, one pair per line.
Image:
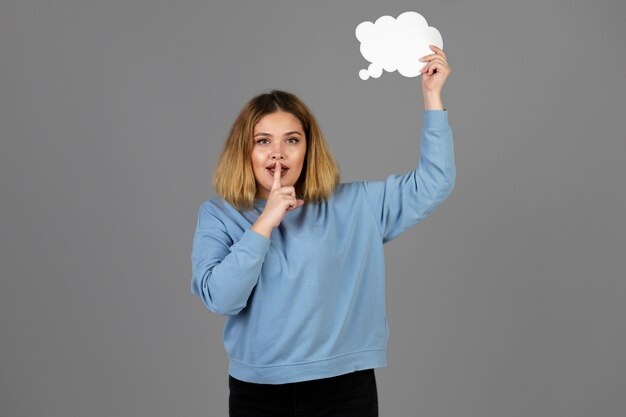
234,179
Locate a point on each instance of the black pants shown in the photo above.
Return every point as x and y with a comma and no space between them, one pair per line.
348,395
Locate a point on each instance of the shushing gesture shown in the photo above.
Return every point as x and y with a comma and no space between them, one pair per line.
280,201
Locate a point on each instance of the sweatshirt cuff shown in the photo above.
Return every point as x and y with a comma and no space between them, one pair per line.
436,119
255,241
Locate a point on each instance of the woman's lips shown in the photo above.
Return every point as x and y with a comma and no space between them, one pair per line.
282,173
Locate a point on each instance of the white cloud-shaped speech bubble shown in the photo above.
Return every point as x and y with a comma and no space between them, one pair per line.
396,44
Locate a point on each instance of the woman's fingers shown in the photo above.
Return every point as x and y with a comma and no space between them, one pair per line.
288,190
286,195
431,57
438,50
434,65
290,198
438,54
277,172
441,61
434,61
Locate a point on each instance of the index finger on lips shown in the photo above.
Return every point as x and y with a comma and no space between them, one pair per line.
276,183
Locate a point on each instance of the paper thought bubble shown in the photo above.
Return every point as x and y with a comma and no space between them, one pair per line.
396,44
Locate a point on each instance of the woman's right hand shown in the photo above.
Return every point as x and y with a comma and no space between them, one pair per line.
279,202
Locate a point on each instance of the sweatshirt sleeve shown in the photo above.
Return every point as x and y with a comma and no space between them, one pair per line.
224,272
401,201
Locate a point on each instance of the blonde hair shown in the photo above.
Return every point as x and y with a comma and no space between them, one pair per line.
234,179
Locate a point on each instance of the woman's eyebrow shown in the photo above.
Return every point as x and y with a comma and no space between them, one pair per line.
286,134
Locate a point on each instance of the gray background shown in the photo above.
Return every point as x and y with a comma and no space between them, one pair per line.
509,300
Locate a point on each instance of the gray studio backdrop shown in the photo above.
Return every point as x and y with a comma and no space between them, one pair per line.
509,300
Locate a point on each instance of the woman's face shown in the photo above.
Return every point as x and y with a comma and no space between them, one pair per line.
279,137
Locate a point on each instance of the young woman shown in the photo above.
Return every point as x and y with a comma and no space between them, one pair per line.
295,260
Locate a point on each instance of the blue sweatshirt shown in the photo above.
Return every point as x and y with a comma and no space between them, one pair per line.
309,302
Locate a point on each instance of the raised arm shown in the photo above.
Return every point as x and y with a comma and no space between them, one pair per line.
403,200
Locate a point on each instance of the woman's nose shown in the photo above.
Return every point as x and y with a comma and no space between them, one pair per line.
277,156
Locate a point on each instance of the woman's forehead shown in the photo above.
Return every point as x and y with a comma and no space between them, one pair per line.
278,122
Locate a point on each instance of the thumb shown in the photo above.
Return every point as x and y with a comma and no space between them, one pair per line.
299,203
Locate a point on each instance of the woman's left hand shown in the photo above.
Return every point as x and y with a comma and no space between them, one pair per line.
435,72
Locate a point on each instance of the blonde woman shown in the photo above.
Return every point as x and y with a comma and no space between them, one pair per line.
294,259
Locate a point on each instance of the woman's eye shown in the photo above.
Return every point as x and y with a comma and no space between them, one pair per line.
293,140
262,141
